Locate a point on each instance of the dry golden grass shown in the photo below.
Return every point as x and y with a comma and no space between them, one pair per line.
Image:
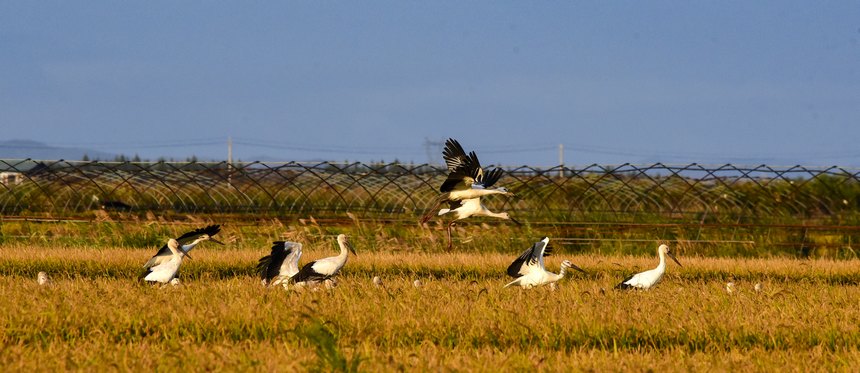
95,316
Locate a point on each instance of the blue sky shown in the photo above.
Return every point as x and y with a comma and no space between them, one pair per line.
774,82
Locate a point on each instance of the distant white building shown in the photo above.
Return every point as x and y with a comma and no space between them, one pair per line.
10,178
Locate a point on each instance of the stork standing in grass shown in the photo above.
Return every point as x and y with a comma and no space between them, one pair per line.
529,269
187,242
277,268
165,271
321,270
463,188
646,280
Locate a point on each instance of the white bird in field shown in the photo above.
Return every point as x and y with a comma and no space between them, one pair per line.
417,283
646,280
466,184
165,271
529,269
730,287
283,263
187,241
42,279
324,269
758,287
377,281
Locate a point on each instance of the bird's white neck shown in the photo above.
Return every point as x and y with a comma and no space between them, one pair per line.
344,253
562,272
500,215
662,266
192,244
177,253
486,212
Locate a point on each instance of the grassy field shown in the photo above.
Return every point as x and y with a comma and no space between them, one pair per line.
95,316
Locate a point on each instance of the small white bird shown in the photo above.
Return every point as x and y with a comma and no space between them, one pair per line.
529,269
320,270
758,287
377,281
730,287
175,282
466,184
166,270
42,279
649,278
417,283
283,263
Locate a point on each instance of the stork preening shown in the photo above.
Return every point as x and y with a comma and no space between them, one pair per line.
186,242
463,188
529,270
646,280
282,264
165,271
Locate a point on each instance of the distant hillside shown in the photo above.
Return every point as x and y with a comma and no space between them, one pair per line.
22,149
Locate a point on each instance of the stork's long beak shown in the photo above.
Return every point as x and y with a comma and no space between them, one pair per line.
351,249
215,241
674,258
517,222
574,266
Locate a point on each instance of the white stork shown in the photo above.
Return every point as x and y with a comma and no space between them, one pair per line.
529,270
187,241
646,280
460,210
321,270
165,271
466,184
283,263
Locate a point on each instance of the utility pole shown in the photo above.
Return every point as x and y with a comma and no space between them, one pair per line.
561,160
432,149
229,162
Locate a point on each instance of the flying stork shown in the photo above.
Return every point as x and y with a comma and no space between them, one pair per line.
463,188
646,280
283,263
165,271
529,270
